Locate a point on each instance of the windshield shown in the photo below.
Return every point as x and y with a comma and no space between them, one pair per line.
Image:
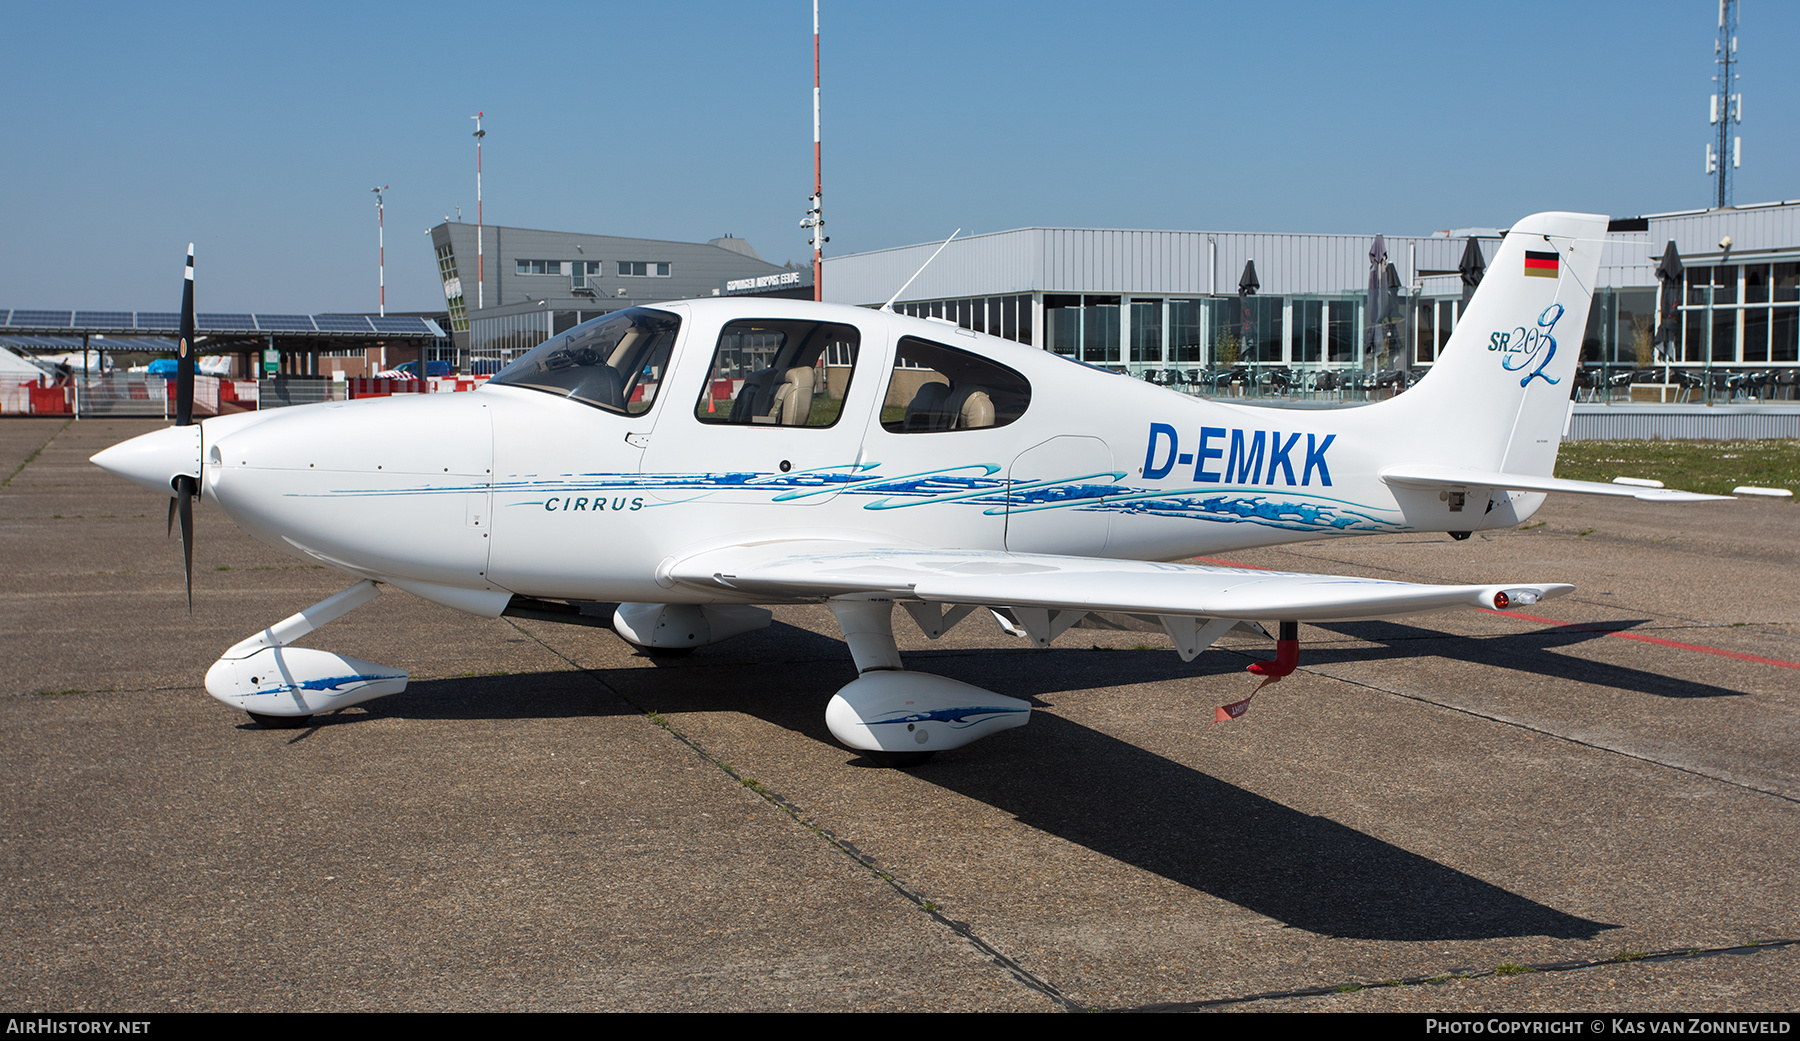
615,362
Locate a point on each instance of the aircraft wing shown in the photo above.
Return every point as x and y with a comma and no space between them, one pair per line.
1423,476
813,570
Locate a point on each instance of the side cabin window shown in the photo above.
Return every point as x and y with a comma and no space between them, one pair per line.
934,387
778,372
615,362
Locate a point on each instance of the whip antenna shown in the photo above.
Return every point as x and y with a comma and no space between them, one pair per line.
889,306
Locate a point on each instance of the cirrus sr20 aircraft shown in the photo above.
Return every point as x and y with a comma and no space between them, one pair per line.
697,461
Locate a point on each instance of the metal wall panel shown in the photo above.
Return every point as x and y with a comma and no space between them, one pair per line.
1683,423
1162,263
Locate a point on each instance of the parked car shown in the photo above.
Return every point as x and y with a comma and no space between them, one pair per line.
435,369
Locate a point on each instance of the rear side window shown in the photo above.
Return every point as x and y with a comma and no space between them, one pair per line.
934,388
779,373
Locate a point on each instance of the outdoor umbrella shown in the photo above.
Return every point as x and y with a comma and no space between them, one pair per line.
1471,267
1669,273
1247,287
1377,305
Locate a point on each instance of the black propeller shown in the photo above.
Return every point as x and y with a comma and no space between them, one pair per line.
186,487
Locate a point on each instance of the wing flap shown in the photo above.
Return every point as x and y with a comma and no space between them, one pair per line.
1427,476
815,571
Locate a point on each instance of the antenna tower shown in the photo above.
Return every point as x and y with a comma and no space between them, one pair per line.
1727,107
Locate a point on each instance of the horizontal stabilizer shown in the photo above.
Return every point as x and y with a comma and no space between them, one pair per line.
814,570
1425,476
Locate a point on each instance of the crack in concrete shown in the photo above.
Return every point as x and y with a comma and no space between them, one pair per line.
868,863
1504,969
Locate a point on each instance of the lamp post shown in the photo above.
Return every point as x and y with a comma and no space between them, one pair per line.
381,245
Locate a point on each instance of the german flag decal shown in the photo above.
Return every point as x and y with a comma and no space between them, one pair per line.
1541,265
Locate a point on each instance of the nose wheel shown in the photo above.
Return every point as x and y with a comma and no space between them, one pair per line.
268,722
896,760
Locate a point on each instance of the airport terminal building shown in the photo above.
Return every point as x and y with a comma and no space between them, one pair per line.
1184,307
529,285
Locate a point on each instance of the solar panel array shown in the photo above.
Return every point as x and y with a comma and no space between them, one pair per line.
215,322
116,322
342,323
115,319
47,319
290,323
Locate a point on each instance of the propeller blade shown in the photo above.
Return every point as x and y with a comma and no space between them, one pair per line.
171,528
188,489
184,350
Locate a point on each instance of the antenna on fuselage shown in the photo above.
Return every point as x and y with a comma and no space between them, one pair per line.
889,306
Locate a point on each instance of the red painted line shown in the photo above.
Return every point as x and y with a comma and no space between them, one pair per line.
1579,627
1649,639
1231,563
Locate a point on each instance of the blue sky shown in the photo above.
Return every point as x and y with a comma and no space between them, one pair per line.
256,130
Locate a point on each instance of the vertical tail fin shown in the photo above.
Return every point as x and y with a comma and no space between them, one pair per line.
1498,396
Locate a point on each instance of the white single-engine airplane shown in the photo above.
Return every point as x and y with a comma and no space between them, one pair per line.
695,460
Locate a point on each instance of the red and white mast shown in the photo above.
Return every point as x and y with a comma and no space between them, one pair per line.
815,214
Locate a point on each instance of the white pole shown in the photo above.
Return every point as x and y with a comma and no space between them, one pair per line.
818,174
381,242
480,253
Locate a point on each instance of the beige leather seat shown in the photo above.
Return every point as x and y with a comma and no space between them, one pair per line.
930,409
794,398
972,407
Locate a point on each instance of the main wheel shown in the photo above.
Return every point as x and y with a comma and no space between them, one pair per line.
269,722
663,652
897,760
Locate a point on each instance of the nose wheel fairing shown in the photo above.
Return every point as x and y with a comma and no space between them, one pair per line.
262,675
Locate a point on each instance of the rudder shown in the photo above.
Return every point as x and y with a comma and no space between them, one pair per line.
1497,398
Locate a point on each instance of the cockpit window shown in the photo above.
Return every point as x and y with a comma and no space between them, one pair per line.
779,372
934,387
615,362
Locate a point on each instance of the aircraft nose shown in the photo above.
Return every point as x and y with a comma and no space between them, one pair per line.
155,459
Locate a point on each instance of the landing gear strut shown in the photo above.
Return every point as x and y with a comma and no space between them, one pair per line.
898,718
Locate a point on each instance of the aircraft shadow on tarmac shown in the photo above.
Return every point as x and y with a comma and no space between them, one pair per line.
1532,651
1067,780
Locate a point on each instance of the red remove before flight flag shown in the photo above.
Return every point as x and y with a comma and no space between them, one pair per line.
1287,656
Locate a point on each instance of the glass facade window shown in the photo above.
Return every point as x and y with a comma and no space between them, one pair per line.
1342,334
1248,330
1100,329
1062,321
1784,334
644,269
453,295
1741,314
1309,330
1004,316
1147,331
1184,332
